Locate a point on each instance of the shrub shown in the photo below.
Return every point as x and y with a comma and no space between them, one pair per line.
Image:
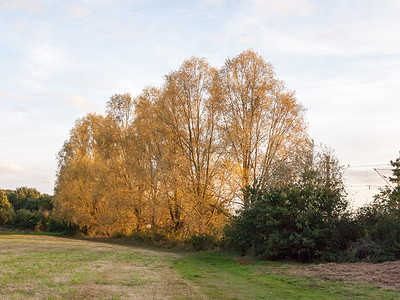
60,226
26,219
203,241
300,221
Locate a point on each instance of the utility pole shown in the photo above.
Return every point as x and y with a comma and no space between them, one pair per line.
328,163
328,169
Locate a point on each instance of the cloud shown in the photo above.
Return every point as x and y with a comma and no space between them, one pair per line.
11,168
77,101
78,11
285,8
19,97
45,60
20,109
44,55
123,34
215,3
245,39
32,6
306,27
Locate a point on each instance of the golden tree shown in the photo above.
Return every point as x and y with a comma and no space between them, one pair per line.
191,113
263,123
88,188
174,158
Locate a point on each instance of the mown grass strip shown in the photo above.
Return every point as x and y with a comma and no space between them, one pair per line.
220,276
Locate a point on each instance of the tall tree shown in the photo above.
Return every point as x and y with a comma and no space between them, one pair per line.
87,181
263,122
176,156
151,152
192,114
121,108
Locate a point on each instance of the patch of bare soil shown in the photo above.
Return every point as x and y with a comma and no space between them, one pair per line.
384,275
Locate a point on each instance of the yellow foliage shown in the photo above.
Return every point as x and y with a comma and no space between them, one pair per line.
177,158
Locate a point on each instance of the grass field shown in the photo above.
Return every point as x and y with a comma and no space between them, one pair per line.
50,267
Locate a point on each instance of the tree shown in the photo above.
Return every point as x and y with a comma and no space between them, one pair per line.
121,108
192,113
166,159
263,122
301,220
21,196
6,209
88,187
151,151
389,197
380,221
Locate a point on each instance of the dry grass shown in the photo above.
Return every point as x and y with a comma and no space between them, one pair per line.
384,275
45,267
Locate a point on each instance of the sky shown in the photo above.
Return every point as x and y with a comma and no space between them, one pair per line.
60,60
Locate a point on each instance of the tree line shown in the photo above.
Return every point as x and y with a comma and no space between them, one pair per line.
215,156
177,158
26,208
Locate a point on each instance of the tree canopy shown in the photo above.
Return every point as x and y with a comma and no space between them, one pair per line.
177,158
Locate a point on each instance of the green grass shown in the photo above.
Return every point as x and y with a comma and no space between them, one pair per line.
51,267
220,276
48,267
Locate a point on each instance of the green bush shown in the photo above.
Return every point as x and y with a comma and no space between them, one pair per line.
59,226
42,203
304,221
33,220
203,241
381,234
380,221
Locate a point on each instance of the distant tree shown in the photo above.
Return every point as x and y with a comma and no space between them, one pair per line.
20,197
388,199
6,209
26,219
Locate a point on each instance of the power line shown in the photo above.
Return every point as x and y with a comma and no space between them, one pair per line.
360,172
384,178
365,166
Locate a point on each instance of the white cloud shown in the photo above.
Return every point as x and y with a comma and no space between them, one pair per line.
285,8
19,97
11,168
32,6
20,109
45,61
44,55
79,102
123,34
78,11
215,3
308,27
